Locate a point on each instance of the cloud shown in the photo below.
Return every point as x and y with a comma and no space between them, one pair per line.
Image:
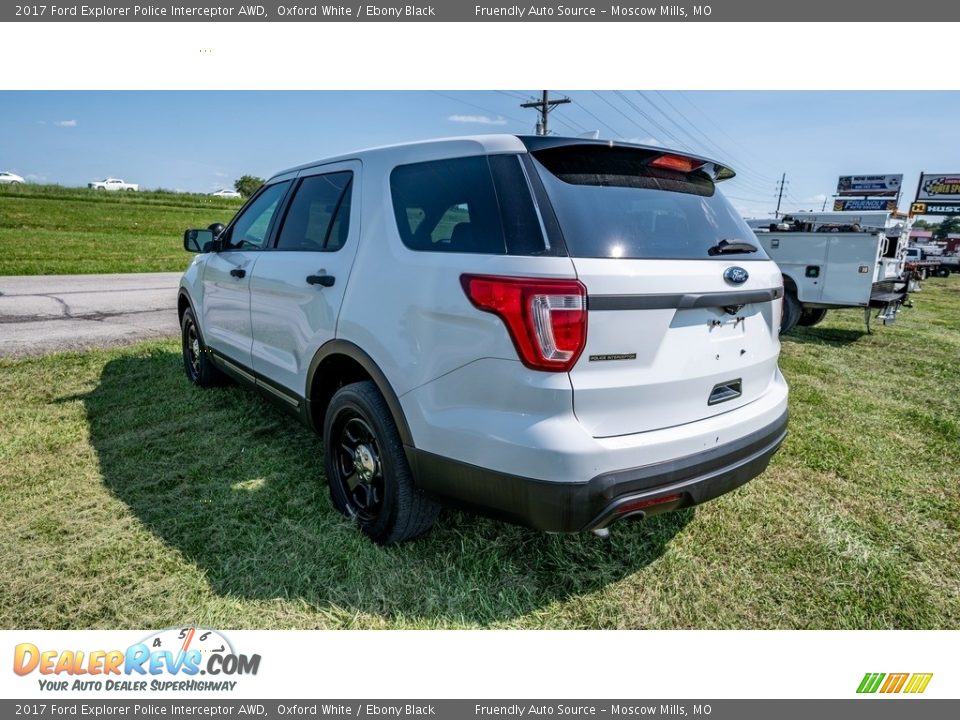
477,119
66,123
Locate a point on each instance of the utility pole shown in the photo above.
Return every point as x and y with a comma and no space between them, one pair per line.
783,181
544,106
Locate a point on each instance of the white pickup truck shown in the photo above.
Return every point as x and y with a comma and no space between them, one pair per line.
837,260
113,184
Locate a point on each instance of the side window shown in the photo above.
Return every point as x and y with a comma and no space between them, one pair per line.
448,206
249,231
319,214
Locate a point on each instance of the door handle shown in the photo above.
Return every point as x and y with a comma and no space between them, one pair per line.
324,280
238,272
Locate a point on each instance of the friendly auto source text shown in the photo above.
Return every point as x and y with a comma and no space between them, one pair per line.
613,11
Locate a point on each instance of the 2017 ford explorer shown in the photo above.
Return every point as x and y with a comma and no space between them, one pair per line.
556,332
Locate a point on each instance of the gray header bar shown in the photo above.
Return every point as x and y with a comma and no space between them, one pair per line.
873,708
482,11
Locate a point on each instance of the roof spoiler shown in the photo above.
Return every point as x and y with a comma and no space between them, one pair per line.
663,158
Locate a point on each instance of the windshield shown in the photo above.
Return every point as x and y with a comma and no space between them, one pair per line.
611,204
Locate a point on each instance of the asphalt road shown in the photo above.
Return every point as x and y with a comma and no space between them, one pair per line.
46,313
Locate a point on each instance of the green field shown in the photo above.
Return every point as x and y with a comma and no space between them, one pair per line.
48,229
133,500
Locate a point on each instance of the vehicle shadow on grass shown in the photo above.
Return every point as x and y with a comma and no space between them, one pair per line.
835,337
237,488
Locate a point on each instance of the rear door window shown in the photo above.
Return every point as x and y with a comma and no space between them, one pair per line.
467,205
611,204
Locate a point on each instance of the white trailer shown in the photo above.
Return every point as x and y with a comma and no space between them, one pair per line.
833,260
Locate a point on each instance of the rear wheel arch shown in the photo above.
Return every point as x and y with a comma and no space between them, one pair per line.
338,363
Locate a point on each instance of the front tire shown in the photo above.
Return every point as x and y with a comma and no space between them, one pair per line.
197,363
367,470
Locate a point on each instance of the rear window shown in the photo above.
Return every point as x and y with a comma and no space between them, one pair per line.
611,204
467,205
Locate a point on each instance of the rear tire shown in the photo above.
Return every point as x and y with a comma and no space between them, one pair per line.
367,470
197,363
812,316
791,312
943,271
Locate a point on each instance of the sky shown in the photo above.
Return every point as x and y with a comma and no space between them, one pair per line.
201,141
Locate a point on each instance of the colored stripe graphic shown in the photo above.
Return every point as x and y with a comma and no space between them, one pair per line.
918,682
894,682
870,682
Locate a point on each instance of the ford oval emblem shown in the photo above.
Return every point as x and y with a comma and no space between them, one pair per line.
735,275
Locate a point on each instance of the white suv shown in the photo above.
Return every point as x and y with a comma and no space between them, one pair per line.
557,332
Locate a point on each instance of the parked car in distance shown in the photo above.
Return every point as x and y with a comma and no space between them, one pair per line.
225,194
9,178
113,184
557,332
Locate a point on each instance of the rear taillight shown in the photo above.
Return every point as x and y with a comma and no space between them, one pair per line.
547,319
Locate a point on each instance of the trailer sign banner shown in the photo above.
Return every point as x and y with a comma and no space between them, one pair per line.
864,205
870,185
939,186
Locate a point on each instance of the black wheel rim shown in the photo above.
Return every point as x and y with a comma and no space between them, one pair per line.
191,350
358,466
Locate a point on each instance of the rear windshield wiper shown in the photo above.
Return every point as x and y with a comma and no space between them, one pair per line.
725,247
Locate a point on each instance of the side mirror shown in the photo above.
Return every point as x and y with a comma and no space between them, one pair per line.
197,241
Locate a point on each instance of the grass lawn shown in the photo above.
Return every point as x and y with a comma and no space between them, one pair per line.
132,500
48,229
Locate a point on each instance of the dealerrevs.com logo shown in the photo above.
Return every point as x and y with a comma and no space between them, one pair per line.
179,659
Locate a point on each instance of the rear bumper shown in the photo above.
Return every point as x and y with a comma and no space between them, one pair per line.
596,503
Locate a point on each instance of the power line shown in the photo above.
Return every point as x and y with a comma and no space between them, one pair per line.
757,183
707,117
613,132
629,119
754,186
653,122
511,94
478,107
708,139
564,119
